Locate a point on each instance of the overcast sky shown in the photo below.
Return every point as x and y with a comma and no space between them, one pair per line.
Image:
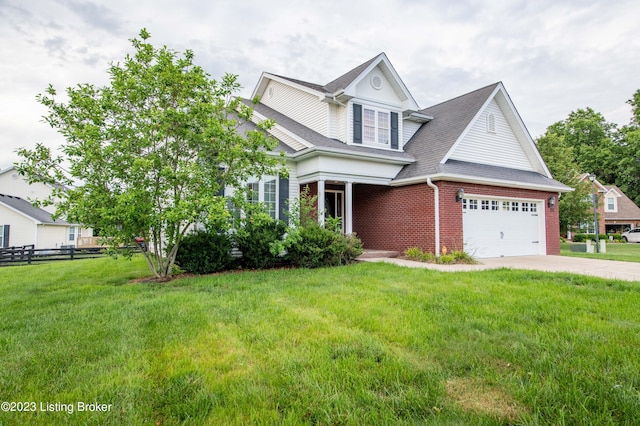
553,56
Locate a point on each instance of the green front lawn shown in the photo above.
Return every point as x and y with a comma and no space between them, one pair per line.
628,252
363,344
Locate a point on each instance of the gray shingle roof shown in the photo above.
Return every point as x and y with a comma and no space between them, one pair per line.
627,209
26,208
346,79
483,171
336,85
434,139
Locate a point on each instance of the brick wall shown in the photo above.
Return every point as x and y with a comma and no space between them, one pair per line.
389,218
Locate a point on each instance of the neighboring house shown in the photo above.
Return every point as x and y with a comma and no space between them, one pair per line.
464,174
23,224
600,191
620,213
11,182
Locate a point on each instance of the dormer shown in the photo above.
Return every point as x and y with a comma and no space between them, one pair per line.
368,106
611,200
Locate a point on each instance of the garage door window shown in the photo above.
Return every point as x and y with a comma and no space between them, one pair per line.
515,206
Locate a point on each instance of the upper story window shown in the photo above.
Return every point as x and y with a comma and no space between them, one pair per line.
611,204
374,126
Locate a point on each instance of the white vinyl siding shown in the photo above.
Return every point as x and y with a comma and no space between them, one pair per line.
301,106
337,123
409,128
499,148
286,138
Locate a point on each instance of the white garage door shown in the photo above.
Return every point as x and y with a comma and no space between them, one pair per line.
501,227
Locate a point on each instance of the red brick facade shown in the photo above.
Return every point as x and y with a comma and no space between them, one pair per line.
396,218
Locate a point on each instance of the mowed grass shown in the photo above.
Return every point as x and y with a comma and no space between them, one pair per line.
364,344
627,252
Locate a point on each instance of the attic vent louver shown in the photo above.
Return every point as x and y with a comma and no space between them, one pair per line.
376,82
491,123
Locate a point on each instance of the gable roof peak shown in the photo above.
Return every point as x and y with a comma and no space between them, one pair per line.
346,79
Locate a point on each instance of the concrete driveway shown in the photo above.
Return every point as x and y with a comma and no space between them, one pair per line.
611,269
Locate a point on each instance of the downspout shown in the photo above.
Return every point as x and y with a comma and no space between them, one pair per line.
436,201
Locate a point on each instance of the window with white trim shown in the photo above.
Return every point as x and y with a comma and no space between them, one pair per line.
485,204
75,232
264,191
375,126
4,236
611,204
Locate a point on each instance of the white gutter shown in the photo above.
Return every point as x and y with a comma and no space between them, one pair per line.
436,209
479,180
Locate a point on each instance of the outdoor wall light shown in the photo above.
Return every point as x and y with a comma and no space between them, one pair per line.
551,202
459,195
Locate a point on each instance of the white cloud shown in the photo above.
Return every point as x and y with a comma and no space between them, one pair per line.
553,56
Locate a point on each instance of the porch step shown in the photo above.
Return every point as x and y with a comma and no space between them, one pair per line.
370,254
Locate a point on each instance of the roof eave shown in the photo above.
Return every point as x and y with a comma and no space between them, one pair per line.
481,181
342,153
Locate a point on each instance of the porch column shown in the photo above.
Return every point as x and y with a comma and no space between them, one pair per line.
321,202
348,208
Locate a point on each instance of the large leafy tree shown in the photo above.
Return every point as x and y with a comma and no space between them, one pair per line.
148,154
628,165
593,141
574,206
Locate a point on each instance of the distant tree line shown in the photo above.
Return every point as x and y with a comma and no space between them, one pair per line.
586,143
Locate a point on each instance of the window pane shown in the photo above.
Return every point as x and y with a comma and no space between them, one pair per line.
383,127
270,196
369,125
254,192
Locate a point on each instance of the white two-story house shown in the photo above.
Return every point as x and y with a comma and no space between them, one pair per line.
464,174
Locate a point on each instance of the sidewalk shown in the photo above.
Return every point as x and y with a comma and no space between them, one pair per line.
610,269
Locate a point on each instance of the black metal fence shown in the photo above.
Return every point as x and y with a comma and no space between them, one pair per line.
29,254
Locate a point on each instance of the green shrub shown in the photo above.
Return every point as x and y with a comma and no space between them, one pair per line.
255,236
204,252
446,259
315,246
414,253
463,257
581,238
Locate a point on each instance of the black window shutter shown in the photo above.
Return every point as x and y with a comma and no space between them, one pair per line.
357,123
394,130
220,192
5,236
283,197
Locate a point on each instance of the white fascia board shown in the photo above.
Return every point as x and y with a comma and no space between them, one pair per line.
261,86
479,181
318,150
342,177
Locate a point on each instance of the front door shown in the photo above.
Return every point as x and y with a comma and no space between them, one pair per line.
334,205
